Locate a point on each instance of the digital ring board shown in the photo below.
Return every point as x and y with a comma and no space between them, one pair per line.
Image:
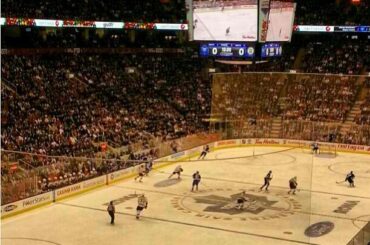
227,50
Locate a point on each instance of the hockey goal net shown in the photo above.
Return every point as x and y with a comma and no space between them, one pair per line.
327,150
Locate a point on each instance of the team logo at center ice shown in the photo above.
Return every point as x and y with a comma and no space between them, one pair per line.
219,204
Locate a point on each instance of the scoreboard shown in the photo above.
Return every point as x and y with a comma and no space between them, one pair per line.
227,50
271,50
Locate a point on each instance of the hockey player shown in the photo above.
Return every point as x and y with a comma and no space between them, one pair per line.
204,152
240,201
177,171
142,202
268,178
315,147
227,31
196,180
141,173
111,210
148,167
350,177
293,185
195,24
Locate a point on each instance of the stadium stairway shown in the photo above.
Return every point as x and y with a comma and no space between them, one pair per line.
4,112
356,108
276,127
355,111
282,102
298,59
8,85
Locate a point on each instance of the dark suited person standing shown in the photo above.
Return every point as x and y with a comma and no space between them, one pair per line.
111,210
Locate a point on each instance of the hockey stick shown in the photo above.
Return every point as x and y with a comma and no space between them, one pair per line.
338,182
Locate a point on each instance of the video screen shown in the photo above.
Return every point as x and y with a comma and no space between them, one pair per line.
234,20
281,18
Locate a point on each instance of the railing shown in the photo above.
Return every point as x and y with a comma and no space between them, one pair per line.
292,129
309,130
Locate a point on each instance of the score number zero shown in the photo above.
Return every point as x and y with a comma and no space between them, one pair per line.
250,51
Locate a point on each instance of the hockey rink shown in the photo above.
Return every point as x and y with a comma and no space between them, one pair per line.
322,212
212,24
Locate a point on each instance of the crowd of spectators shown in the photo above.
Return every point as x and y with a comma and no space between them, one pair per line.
357,134
61,171
332,12
335,57
86,38
67,104
244,96
63,104
58,172
169,11
310,130
25,175
320,98
364,117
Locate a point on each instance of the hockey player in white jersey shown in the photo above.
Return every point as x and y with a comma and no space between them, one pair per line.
177,171
141,172
142,202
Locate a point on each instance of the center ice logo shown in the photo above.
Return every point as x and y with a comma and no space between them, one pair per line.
227,205
221,203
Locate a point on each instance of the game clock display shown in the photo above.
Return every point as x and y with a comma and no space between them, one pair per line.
227,50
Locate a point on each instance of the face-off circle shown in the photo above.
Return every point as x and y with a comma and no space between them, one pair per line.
221,203
360,168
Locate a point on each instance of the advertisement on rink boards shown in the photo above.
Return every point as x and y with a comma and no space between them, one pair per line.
291,143
178,155
73,189
26,204
68,190
347,147
197,150
226,143
121,174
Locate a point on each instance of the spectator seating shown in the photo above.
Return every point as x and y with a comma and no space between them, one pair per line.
143,11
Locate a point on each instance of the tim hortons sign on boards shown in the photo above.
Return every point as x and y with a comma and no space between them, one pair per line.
267,142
